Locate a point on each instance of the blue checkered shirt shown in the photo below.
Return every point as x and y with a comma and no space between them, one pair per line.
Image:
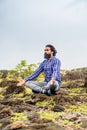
50,68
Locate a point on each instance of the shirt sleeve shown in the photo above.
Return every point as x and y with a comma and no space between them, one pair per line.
56,70
35,74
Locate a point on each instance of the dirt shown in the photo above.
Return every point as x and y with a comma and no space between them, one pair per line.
14,99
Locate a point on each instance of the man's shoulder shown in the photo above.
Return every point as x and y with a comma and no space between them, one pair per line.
44,61
56,59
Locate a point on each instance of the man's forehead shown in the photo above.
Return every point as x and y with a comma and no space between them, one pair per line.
47,47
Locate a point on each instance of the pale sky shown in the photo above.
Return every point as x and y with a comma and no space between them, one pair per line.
26,26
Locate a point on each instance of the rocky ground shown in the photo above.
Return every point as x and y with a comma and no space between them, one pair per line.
20,109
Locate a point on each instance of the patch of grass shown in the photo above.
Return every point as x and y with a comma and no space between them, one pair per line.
81,108
56,118
66,122
0,80
50,115
1,95
64,82
75,90
28,91
19,95
69,123
79,125
1,88
18,116
0,125
49,103
44,103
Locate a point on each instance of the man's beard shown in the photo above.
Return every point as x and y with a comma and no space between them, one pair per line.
47,56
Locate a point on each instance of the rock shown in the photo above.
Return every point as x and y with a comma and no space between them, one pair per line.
72,116
5,112
16,125
84,123
58,108
44,126
13,88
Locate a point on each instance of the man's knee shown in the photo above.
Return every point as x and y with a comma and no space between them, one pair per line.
27,83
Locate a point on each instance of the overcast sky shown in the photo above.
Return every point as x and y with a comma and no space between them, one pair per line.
26,26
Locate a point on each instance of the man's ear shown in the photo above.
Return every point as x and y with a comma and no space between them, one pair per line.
52,52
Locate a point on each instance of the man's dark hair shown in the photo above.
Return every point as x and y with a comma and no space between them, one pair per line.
52,48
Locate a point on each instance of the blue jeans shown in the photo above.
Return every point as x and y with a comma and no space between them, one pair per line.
40,86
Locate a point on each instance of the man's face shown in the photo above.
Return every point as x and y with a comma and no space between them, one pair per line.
48,53
47,50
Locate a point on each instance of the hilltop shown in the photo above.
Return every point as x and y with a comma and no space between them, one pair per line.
23,110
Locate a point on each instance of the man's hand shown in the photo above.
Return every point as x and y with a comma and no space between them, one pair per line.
52,81
21,82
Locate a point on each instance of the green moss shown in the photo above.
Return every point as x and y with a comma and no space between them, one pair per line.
49,103
1,88
0,125
56,118
44,103
20,95
50,115
76,90
81,108
1,95
66,122
64,82
47,115
79,125
28,91
0,80
18,116
69,123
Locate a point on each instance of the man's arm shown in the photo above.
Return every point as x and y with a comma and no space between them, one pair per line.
56,70
32,76
35,74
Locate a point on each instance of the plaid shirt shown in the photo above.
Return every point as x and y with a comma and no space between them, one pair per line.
50,68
